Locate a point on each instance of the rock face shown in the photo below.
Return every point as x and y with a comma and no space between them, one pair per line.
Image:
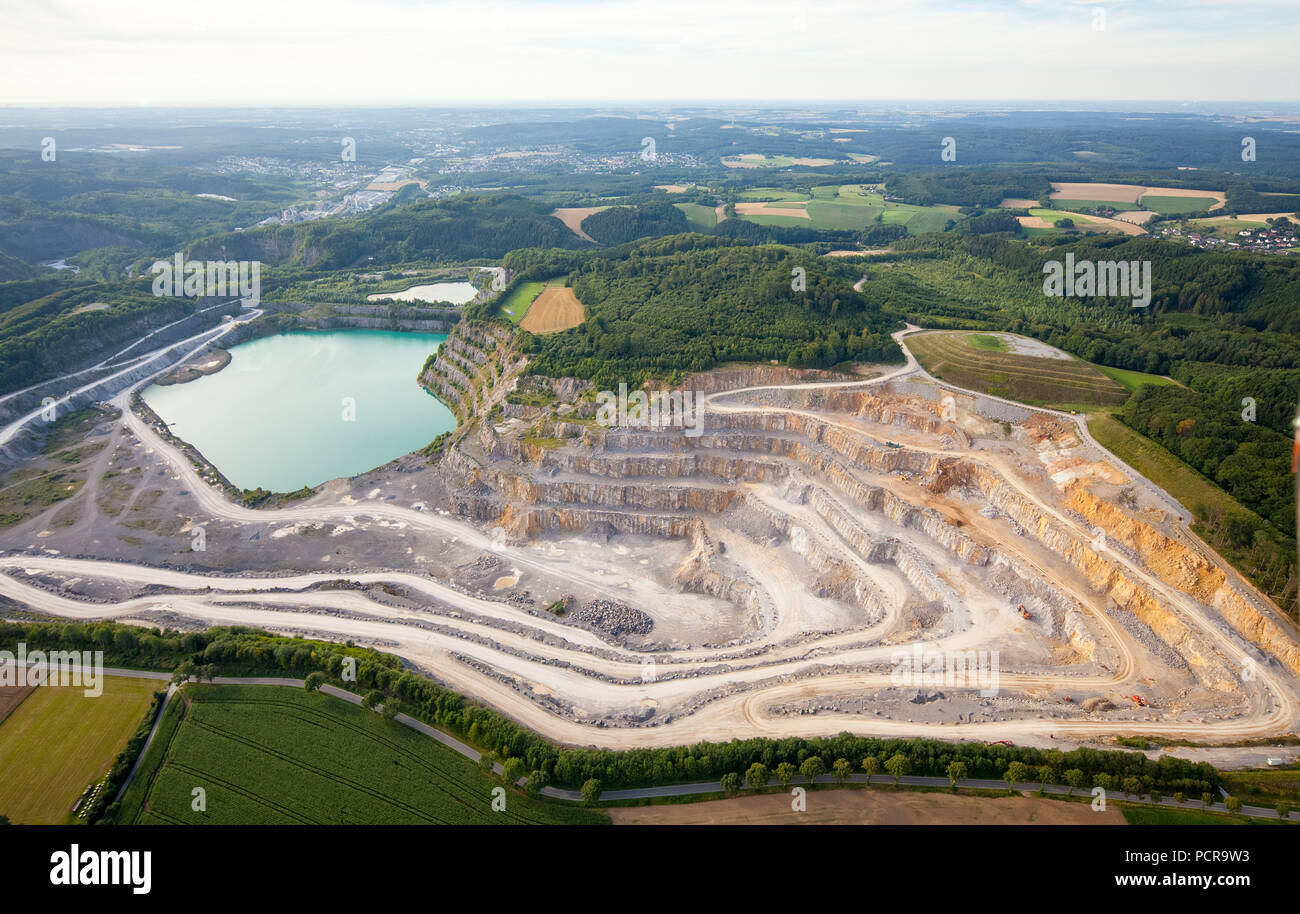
1177,565
384,323
469,370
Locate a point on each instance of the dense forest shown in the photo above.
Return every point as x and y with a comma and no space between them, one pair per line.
47,335
670,306
456,228
119,212
985,187
620,224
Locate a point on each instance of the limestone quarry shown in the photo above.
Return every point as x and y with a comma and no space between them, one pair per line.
881,554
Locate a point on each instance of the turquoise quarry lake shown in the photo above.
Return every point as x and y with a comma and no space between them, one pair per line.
276,416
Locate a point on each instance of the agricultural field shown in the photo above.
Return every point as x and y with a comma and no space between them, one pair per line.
767,212
1046,221
1120,206
1227,227
59,741
1054,216
279,755
1163,200
759,160
1042,381
10,698
871,807
1173,206
770,194
1032,230
516,304
844,207
572,217
699,215
555,309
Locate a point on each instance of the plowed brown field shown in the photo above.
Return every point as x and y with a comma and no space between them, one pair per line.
556,309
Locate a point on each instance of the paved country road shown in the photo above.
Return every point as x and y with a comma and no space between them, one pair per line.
693,788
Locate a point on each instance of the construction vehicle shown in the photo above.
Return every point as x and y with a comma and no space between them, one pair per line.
1139,701
892,444
1024,613
1069,700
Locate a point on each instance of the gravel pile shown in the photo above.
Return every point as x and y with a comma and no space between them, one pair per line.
618,619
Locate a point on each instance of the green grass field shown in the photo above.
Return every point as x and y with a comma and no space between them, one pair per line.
842,207
699,215
756,194
59,741
1118,206
1132,380
1169,815
1267,787
278,755
986,342
920,219
516,304
776,161
850,194
1166,206
1055,216
1223,227
846,216
953,357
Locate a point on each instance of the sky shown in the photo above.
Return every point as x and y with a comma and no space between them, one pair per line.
382,52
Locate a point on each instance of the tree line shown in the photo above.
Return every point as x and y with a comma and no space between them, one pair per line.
243,651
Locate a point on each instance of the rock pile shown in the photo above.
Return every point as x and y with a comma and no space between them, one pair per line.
617,619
